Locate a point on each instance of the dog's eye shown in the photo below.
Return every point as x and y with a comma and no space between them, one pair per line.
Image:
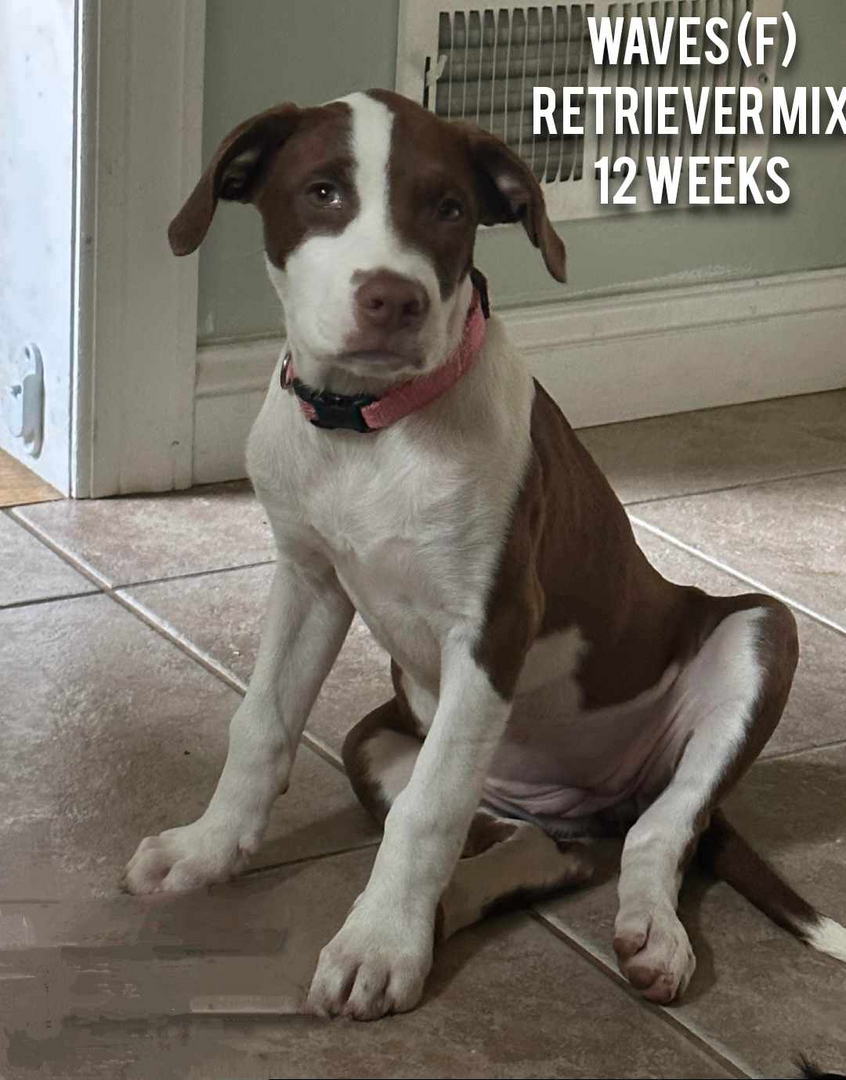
324,194
450,210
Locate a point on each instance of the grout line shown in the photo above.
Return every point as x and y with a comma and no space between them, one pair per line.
77,562
99,579
701,1042
193,574
759,586
253,871
780,755
733,487
102,583
48,599
793,399
166,630
213,666
161,627
322,749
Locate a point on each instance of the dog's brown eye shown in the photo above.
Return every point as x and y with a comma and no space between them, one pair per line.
450,210
324,193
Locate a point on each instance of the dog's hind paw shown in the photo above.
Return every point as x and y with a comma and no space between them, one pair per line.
654,953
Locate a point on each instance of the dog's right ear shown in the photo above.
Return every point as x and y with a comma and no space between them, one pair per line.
236,169
510,192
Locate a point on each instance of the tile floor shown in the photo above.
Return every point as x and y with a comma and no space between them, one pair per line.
127,631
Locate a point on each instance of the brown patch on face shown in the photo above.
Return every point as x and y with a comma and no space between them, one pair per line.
429,172
437,168
320,152
278,160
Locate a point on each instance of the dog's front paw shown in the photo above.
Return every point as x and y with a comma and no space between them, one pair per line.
653,951
184,858
376,964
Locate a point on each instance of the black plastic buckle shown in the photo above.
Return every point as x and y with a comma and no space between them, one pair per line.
480,284
331,411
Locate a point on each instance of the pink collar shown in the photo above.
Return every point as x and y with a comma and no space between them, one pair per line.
368,413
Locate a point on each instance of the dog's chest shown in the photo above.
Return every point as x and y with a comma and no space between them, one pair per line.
412,521
413,542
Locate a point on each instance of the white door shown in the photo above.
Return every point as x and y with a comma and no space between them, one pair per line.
101,120
37,63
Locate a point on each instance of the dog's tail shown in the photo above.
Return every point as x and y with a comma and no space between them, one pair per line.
724,852
812,1072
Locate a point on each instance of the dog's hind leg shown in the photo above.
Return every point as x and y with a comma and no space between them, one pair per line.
726,704
505,863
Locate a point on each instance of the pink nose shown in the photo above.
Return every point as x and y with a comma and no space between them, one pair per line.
388,301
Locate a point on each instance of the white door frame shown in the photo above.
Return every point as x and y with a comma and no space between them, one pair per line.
139,115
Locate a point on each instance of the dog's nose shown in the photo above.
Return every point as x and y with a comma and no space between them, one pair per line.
391,302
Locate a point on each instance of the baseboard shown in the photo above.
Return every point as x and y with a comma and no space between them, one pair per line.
604,360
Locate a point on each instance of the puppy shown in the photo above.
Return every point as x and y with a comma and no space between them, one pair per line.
548,682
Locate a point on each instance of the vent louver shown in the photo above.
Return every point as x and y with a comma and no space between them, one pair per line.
493,60
481,64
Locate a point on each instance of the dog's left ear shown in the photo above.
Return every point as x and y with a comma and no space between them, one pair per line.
508,191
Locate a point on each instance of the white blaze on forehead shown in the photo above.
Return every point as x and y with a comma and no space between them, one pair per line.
372,125
370,240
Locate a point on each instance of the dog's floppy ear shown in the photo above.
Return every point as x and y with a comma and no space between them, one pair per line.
233,173
509,191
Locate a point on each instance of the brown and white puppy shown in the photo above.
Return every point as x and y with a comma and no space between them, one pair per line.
543,671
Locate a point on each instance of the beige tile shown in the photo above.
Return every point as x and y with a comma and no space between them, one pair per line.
814,714
506,999
142,537
719,448
30,571
111,733
757,993
222,615
789,536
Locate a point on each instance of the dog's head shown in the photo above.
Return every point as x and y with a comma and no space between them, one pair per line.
370,207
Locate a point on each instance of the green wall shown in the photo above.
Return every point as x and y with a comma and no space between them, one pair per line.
263,51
